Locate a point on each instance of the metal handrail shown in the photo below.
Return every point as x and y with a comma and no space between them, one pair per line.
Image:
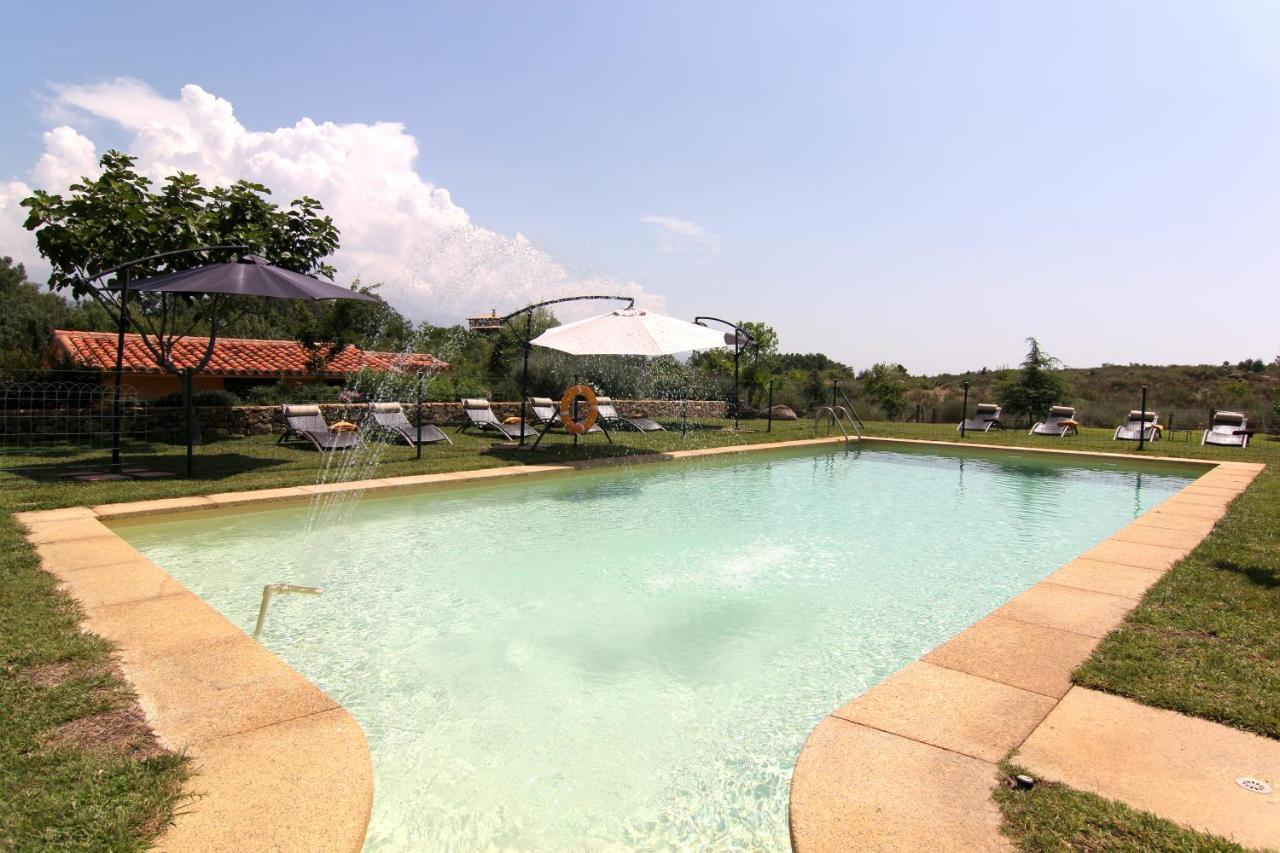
835,412
854,420
274,588
851,411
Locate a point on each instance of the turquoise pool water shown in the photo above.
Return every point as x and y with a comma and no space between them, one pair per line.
632,658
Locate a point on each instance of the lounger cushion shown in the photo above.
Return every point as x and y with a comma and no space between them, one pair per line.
291,411
469,403
1062,411
1228,418
384,407
987,409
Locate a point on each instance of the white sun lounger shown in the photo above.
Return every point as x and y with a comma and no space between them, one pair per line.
1055,424
985,417
609,414
306,422
1144,425
390,419
479,414
1229,429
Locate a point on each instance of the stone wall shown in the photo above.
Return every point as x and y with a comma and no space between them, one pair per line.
238,421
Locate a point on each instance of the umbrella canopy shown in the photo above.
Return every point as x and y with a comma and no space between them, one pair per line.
248,276
630,331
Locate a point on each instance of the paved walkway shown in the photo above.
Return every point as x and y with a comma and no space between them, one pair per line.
911,763
1179,767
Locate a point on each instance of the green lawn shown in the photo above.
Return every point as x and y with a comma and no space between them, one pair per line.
78,772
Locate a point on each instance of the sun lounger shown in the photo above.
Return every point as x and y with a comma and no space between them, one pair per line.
306,422
1144,425
609,414
1229,429
479,414
546,412
1060,422
985,417
389,417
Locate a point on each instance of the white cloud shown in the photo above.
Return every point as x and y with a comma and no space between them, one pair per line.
681,235
396,227
68,156
15,241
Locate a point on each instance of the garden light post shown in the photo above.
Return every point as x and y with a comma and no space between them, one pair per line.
964,413
740,336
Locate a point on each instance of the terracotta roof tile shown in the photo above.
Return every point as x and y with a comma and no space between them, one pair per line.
231,356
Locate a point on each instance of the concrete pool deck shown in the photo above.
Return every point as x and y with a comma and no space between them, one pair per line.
280,765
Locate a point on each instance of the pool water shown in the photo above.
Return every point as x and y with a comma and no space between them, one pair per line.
632,658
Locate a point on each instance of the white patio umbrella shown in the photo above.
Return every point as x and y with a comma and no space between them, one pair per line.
631,331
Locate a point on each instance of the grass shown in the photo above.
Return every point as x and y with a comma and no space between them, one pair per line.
1052,817
77,772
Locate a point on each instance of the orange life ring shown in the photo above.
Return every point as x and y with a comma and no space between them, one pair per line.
576,427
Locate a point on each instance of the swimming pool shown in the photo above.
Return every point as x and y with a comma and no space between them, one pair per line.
632,657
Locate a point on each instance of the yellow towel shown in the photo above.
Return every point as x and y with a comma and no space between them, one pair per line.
343,426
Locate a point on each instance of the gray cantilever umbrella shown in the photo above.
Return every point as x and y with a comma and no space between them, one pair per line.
248,276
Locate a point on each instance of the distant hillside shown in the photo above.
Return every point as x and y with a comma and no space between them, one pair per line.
1105,394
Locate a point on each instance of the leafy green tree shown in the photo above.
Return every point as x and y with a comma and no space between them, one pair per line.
28,316
1035,386
506,359
758,361
325,329
467,352
886,385
119,217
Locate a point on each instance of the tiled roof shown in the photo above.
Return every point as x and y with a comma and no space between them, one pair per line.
231,356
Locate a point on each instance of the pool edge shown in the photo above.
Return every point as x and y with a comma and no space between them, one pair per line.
912,761
315,757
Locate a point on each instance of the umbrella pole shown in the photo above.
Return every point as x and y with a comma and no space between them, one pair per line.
115,400
188,375
418,455
736,398
770,427
524,373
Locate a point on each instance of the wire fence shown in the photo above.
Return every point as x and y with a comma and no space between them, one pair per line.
43,416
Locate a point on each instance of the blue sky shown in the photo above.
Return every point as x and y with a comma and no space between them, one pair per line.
924,183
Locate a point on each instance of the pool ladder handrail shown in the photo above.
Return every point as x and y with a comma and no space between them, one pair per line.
275,588
839,415
850,411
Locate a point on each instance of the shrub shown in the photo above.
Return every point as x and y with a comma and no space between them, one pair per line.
213,397
286,392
